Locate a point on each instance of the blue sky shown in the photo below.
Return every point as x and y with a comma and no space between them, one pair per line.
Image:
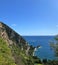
30,17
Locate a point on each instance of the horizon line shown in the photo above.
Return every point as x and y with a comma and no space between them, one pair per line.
38,35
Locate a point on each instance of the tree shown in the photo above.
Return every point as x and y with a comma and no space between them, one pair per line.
54,45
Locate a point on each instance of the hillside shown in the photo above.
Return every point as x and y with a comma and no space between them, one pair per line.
14,50
5,54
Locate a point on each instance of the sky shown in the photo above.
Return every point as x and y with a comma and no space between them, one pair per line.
30,17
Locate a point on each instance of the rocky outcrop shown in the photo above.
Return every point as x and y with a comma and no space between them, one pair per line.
12,37
19,47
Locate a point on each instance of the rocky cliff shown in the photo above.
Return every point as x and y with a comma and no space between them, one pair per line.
21,51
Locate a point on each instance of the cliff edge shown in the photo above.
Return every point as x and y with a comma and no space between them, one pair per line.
20,50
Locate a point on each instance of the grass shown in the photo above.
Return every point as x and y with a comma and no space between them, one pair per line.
5,54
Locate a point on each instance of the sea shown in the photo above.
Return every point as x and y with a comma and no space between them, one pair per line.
45,51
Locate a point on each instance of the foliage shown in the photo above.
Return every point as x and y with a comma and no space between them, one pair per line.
27,60
5,54
54,45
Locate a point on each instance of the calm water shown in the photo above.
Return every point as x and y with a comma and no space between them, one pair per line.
45,50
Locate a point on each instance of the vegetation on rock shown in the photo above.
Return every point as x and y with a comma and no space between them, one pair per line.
5,54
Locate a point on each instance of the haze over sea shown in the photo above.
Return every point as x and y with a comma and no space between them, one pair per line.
45,52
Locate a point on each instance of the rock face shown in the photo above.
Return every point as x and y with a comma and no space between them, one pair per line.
10,35
19,47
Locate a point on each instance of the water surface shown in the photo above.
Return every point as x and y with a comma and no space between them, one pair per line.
44,41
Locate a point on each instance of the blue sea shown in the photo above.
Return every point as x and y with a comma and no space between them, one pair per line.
45,52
